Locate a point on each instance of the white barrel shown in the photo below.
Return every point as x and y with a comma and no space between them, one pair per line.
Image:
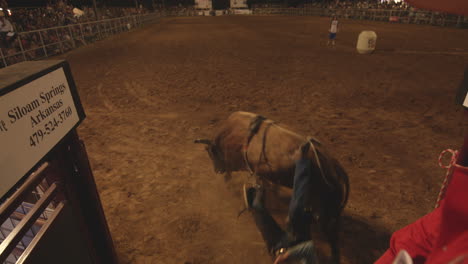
366,42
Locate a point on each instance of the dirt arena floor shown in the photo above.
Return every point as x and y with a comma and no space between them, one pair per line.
150,92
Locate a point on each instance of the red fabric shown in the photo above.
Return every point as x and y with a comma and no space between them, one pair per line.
442,235
417,238
459,7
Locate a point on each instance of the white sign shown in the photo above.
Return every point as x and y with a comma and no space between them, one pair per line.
238,3
33,119
203,4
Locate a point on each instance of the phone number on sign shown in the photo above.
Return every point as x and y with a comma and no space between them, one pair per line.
49,127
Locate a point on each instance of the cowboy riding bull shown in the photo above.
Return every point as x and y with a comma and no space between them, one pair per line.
250,142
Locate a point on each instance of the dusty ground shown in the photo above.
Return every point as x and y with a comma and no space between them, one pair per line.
150,92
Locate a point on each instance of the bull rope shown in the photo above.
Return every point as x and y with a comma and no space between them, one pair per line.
262,152
448,174
254,128
319,164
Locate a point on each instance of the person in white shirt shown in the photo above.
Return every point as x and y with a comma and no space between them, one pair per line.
333,30
7,34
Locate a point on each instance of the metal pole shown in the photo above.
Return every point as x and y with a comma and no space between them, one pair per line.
71,36
58,38
82,35
43,46
117,26
98,24
3,58
21,46
109,28
95,10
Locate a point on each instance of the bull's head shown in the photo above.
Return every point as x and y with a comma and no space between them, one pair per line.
215,155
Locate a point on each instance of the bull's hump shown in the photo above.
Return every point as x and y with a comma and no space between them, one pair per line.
250,116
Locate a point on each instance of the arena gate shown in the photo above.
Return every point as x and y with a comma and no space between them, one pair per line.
50,211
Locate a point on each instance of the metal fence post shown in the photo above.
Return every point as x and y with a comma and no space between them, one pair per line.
109,28
58,38
98,24
82,35
43,45
114,26
71,36
106,28
3,58
21,46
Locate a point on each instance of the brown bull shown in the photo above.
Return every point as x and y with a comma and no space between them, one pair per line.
249,142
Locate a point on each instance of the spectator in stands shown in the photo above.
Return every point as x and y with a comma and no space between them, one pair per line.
3,4
7,34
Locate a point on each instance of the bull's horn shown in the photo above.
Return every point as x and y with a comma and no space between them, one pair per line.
202,141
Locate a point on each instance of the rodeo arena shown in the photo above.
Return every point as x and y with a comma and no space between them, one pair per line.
234,131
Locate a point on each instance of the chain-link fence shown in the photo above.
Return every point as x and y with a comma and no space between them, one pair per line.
388,15
43,43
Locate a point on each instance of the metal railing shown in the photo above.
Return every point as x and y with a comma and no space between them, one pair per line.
22,217
388,15
43,43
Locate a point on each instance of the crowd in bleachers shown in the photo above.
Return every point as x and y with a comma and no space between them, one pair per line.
401,5
51,16
360,5
390,11
62,14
